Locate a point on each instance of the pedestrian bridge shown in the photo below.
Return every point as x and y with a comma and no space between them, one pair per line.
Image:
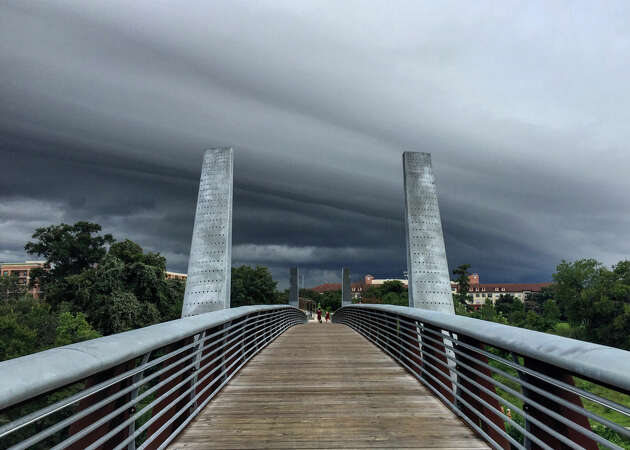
264,377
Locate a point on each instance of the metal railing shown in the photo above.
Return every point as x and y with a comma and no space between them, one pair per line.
131,390
515,387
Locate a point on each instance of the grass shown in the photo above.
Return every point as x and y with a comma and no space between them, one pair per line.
601,410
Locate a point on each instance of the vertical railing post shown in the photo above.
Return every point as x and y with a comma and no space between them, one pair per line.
209,351
527,442
472,383
84,422
198,353
439,371
133,395
410,335
224,351
577,418
167,403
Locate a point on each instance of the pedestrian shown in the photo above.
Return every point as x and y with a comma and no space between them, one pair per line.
319,315
327,316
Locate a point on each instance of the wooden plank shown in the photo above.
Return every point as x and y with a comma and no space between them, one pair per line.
325,386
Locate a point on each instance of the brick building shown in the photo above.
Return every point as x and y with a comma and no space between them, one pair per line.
176,276
480,292
23,272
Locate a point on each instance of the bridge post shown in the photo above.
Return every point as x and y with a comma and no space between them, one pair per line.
346,290
209,266
294,288
545,402
429,280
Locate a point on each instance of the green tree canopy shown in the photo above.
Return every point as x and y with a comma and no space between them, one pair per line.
252,286
68,250
330,301
11,288
463,284
28,325
116,285
595,300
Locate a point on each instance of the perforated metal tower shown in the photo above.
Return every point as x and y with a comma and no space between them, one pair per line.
346,288
209,266
429,281
294,287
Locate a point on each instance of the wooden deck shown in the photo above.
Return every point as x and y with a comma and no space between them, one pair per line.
325,386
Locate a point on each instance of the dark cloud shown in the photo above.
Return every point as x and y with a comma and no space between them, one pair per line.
107,107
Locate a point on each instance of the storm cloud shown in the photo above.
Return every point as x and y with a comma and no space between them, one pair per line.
106,109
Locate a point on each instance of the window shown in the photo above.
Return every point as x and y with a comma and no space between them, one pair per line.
496,289
503,289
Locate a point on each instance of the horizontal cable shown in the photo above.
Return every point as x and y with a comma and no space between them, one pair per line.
140,413
456,408
66,422
548,395
437,393
205,402
517,394
60,405
163,396
159,431
553,381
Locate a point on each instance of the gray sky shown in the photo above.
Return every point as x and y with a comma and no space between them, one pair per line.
106,108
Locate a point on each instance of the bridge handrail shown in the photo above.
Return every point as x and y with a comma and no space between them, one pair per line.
605,364
191,358
463,361
27,376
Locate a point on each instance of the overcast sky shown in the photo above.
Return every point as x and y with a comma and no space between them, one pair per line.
106,108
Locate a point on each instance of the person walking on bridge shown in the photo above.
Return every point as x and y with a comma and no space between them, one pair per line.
327,316
319,315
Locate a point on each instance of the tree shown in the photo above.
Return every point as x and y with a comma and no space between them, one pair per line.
309,293
29,325
11,288
73,328
372,295
463,284
505,304
16,339
116,285
252,286
536,300
551,313
330,301
394,286
488,312
68,250
392,298
595,300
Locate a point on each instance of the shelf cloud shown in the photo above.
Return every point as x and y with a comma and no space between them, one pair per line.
106,109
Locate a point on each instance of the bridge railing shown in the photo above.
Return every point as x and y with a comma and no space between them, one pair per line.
136,389
515,387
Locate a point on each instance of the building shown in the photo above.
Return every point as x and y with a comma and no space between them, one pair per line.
483,292
356,288
479,292
176,276
23,272
371,281
493,291
473,279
